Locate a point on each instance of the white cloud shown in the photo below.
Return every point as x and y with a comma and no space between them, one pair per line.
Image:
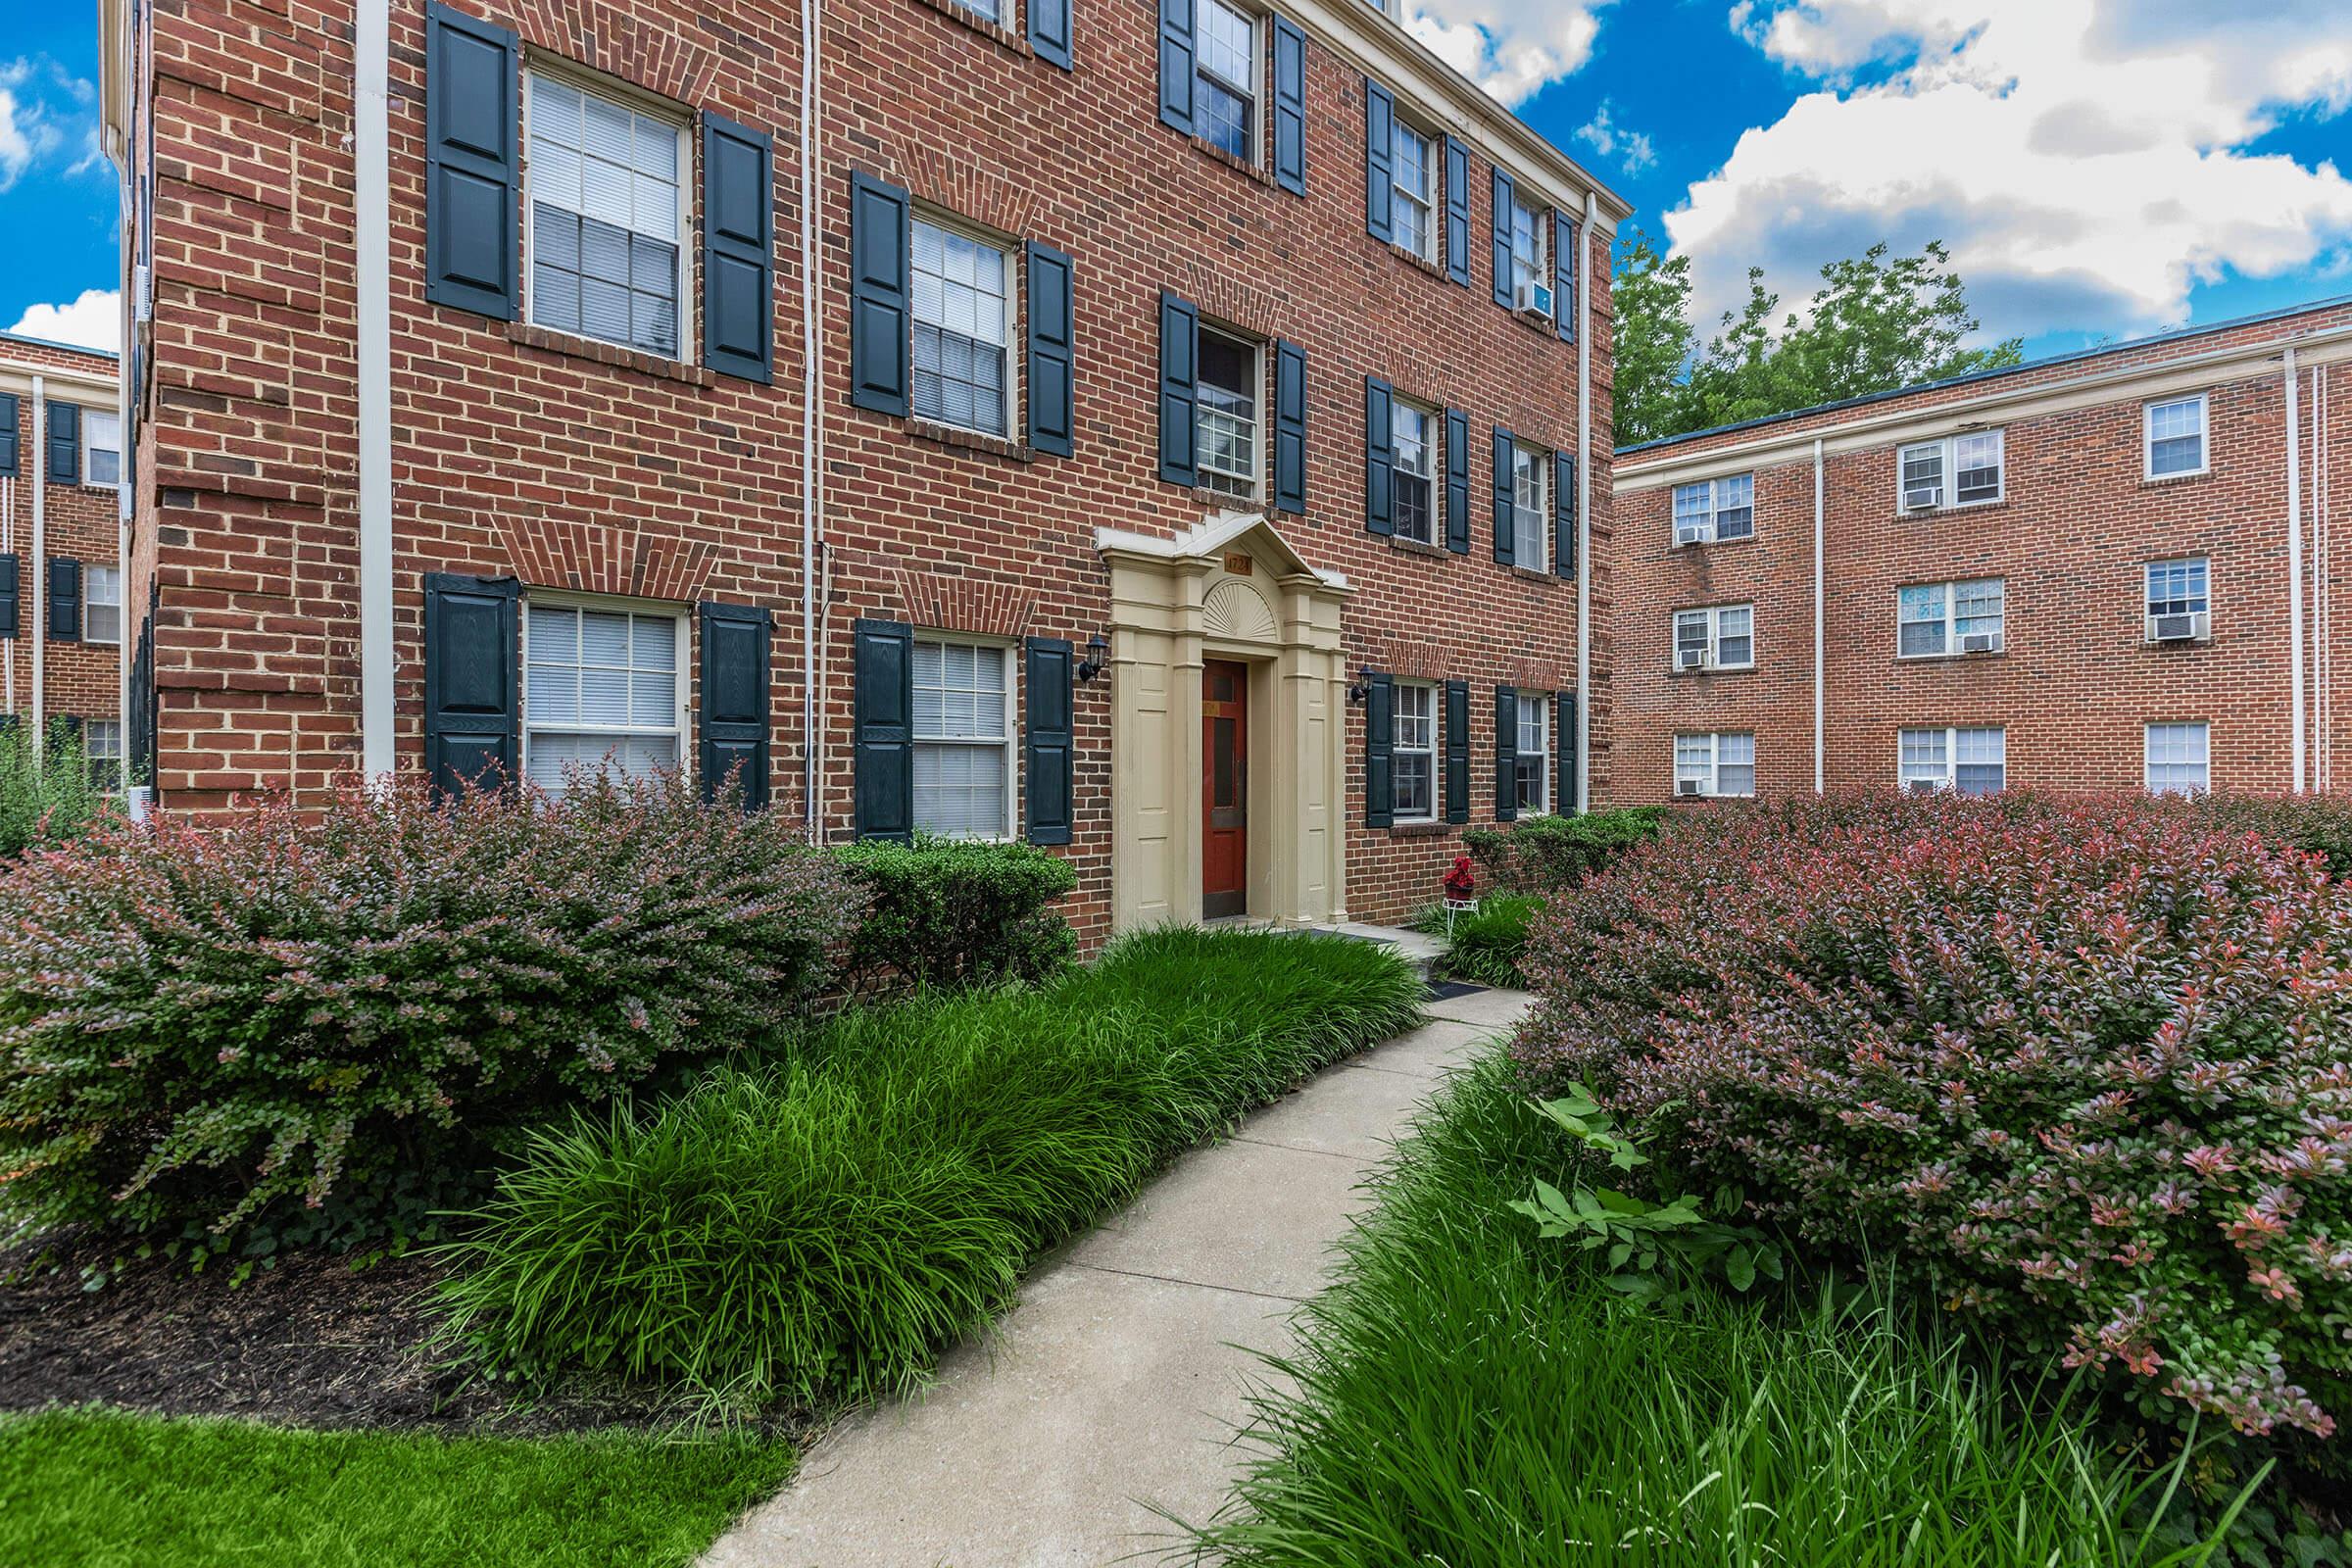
29,124
1512,48
1631,148
2087,163
94,321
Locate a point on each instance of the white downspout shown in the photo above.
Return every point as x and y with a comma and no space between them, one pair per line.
1819,599
371,179
813,421
2295,568
1584,507
40,562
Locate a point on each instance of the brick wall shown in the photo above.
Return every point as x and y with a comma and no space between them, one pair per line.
2077,681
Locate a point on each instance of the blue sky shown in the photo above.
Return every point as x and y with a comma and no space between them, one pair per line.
2099,167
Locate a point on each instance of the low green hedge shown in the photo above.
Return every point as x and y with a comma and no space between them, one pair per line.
1484,945
950,912
824,1225
1544,853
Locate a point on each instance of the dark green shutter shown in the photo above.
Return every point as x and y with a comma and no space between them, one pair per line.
1048,739
1380,751
738,249
1176,64
1380,155
1503,495
1179,392
880,330
1507,753
65,444
471,642
1457,481
9,415
1380,456
1563,276
1499,221
1457,212
472,118
1290,427
1563,513
1049,33
733,718
1289,106
884,714
1053,350
1563,751
9,595
1457,750
64,599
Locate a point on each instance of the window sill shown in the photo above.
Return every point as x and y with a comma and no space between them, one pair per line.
1544,326
1712,670
1239,166
2160,481
1946,659
1702,544
955,435
1422,264
1416,547
1533,575
1955,509
588,347
1223,501
993,30
1420,829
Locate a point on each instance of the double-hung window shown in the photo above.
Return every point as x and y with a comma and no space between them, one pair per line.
2174,437
1527,244
1226,408
1414,175
102,605
1413,752
1532,762
1227,66
1413,436
1531,506
962,329
1716,764
1936,618
603,687
605,185
964,779
1961,470
102,754
1708,511
101,447
1720,637
2180,598
2180,758
1972,760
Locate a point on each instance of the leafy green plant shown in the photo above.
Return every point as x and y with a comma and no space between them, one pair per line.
822,1225
46,798
1543,854
956,912
1485,945
1657,1249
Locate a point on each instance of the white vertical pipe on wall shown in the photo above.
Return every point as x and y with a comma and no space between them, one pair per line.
371,189
40,558
813,420
1820,604
2294,567
1583,506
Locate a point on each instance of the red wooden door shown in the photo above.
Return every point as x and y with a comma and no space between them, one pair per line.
1224,787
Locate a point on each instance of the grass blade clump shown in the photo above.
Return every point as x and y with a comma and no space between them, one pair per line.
822,1225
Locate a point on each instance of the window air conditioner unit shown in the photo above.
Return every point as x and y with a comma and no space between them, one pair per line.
2178,628
1981,642
1532,299
1686,786
1689,659
1922,499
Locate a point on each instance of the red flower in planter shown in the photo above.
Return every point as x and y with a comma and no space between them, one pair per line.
1459,883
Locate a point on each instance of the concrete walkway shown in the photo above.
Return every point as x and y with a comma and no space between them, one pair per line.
1119,1380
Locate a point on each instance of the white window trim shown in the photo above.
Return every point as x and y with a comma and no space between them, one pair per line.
90,754
1547,505
563,599
1947,487
2148,601
1714,617
1016,282
90,600
1435,163
1951,751
2147,438
1260,453
1011,827
1434,450
1539,265
1715,510
1435,751
1547,776
1712,789
90,448
1951,625
576,77
2147,761
1256,89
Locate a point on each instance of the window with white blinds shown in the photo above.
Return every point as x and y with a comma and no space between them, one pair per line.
102,605
963,739
600,690
603,182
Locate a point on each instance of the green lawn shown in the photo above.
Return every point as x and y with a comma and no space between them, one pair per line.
96,1490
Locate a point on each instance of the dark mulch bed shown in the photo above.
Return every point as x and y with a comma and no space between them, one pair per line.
309,1343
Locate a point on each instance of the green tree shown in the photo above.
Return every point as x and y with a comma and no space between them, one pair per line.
1877,322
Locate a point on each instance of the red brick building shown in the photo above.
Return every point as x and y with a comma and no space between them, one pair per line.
2110,569
60,521
1179,435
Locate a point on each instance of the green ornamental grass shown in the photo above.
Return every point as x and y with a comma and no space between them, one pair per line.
822,1225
